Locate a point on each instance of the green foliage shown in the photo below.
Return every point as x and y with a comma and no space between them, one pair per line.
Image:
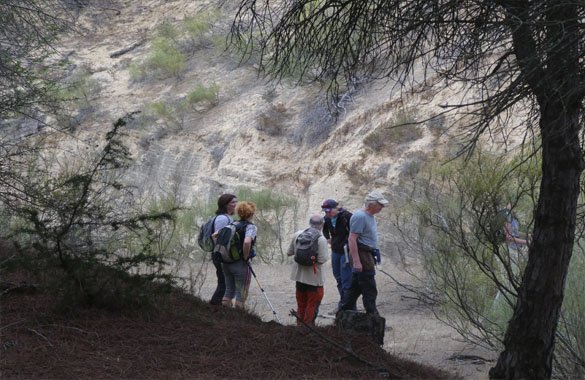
167,31
275,211
165,59
137,71
446,220
570,353
79,217
28,34
399,130
77,96
198,30
173,44
203,95
174,113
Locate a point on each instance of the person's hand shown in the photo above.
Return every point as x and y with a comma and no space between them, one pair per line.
357,266
377,256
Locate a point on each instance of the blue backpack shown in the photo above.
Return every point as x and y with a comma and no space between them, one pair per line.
204,238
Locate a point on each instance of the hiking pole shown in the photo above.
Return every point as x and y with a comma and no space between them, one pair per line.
264,293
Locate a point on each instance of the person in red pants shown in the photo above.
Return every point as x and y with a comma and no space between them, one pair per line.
308,275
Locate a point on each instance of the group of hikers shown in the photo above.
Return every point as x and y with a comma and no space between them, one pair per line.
352,238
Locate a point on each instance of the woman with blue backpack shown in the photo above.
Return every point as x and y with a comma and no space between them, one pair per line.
226,205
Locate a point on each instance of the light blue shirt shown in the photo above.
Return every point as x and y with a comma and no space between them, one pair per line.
365,226
221,221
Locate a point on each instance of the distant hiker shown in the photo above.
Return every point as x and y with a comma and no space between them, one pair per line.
515,241
511,272
364,252
336,231
308,275
514,238
226,205
237,274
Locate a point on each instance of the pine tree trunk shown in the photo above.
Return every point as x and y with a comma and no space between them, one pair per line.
529,339
552,70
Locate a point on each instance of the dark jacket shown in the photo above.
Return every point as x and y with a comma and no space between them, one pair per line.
340,233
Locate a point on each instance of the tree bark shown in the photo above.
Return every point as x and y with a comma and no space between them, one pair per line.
529,339
555,79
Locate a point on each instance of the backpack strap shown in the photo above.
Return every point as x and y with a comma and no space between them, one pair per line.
241,227
346,213
213,225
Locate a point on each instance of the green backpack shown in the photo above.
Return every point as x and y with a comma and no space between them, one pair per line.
230,241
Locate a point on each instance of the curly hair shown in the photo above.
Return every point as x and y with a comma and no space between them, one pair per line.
246,210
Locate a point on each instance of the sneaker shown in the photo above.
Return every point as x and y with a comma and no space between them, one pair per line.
334,311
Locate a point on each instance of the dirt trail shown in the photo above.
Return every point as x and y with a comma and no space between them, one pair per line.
412,330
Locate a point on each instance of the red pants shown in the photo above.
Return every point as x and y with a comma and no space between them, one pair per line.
308,300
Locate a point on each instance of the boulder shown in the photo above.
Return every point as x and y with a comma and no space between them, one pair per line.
362,323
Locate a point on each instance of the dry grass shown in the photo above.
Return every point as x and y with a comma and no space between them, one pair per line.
184,338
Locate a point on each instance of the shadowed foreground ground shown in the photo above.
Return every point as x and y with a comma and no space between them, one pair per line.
183,338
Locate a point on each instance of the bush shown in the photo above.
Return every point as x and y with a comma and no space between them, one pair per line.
77,95
274,121
137,71
165,59
274,214
208,95
475,279
79,217
399,130
174,113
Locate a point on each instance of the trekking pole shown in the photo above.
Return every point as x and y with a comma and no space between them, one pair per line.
263,292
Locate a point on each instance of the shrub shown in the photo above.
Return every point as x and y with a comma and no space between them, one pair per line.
356,173
77,95
165,59
167,31
436,125
475,279
273,122
137,71
167,112
399,130
78,216
208,95
273,215
199,32
173,113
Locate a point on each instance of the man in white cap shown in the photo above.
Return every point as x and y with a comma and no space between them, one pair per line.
363,249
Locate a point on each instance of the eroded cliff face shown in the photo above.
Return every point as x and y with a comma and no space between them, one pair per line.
258,133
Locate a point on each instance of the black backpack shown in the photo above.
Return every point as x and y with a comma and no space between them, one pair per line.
307,247
204,238
230,241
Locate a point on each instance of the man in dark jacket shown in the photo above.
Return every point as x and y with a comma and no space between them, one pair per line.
336,231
